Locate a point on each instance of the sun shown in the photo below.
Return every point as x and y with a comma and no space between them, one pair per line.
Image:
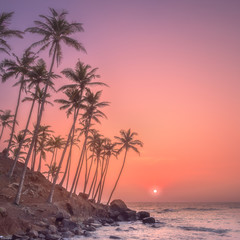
155,191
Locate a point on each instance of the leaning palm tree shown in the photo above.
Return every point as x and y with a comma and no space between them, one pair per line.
127,142
38,75
6,119
92,113
54,29
6,33
17,68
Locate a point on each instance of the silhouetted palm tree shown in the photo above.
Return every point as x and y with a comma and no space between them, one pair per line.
92,113
54,144
127,142
37,75
18,68
55,29
6,33
82,77
6,119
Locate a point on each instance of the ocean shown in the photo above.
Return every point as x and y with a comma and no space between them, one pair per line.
187,221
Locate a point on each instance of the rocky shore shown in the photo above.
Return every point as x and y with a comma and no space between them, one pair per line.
65,218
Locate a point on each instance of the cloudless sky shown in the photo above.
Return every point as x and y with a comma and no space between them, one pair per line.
174,77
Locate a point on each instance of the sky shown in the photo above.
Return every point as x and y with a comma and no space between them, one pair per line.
173,71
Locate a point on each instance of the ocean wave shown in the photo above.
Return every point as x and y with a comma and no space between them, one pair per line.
204,229
199,209
166,210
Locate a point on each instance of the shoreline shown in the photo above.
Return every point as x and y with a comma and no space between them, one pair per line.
65,218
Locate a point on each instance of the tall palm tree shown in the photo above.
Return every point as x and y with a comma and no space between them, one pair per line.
5,32
127,142
92,113
38,75
18,68
81,76
54,29
6,119
109,150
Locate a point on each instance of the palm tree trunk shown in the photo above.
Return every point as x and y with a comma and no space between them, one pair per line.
79,167
79,162
75,188
70,152
24,135
50,198
40,163
51,163
18,196
100,180
2,132
88,174
93,180
124,160
104,178
68,174
15,115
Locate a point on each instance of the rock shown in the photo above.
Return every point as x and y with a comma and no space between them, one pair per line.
77,231
118,205
3,212
52,228
33,233
52,237
67,234
17,236
62,214
69,224
148,220
86,234
118,229
121,218
142,214
115,224
96,225
89,228
114,237
41,236
69,208
83,195
88,221
131,215
132,228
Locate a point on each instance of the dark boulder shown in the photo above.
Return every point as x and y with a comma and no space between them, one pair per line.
69,224
142,214
148,220
118,205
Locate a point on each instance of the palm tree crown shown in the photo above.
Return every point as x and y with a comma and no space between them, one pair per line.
126,140
55,29
5,32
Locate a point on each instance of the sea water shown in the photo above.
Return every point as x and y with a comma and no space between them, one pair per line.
188,221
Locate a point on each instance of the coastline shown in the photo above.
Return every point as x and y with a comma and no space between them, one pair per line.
65,218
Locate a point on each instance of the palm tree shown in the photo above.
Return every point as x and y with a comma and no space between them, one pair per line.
55,29
6,119
109,150
41,146
18,141
92,113
21,66
5,32
82,76
127,142
37,75
54,144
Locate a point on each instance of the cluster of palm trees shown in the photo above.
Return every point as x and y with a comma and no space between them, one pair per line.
84,106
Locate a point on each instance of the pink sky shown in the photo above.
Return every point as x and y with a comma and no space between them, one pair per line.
174,77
